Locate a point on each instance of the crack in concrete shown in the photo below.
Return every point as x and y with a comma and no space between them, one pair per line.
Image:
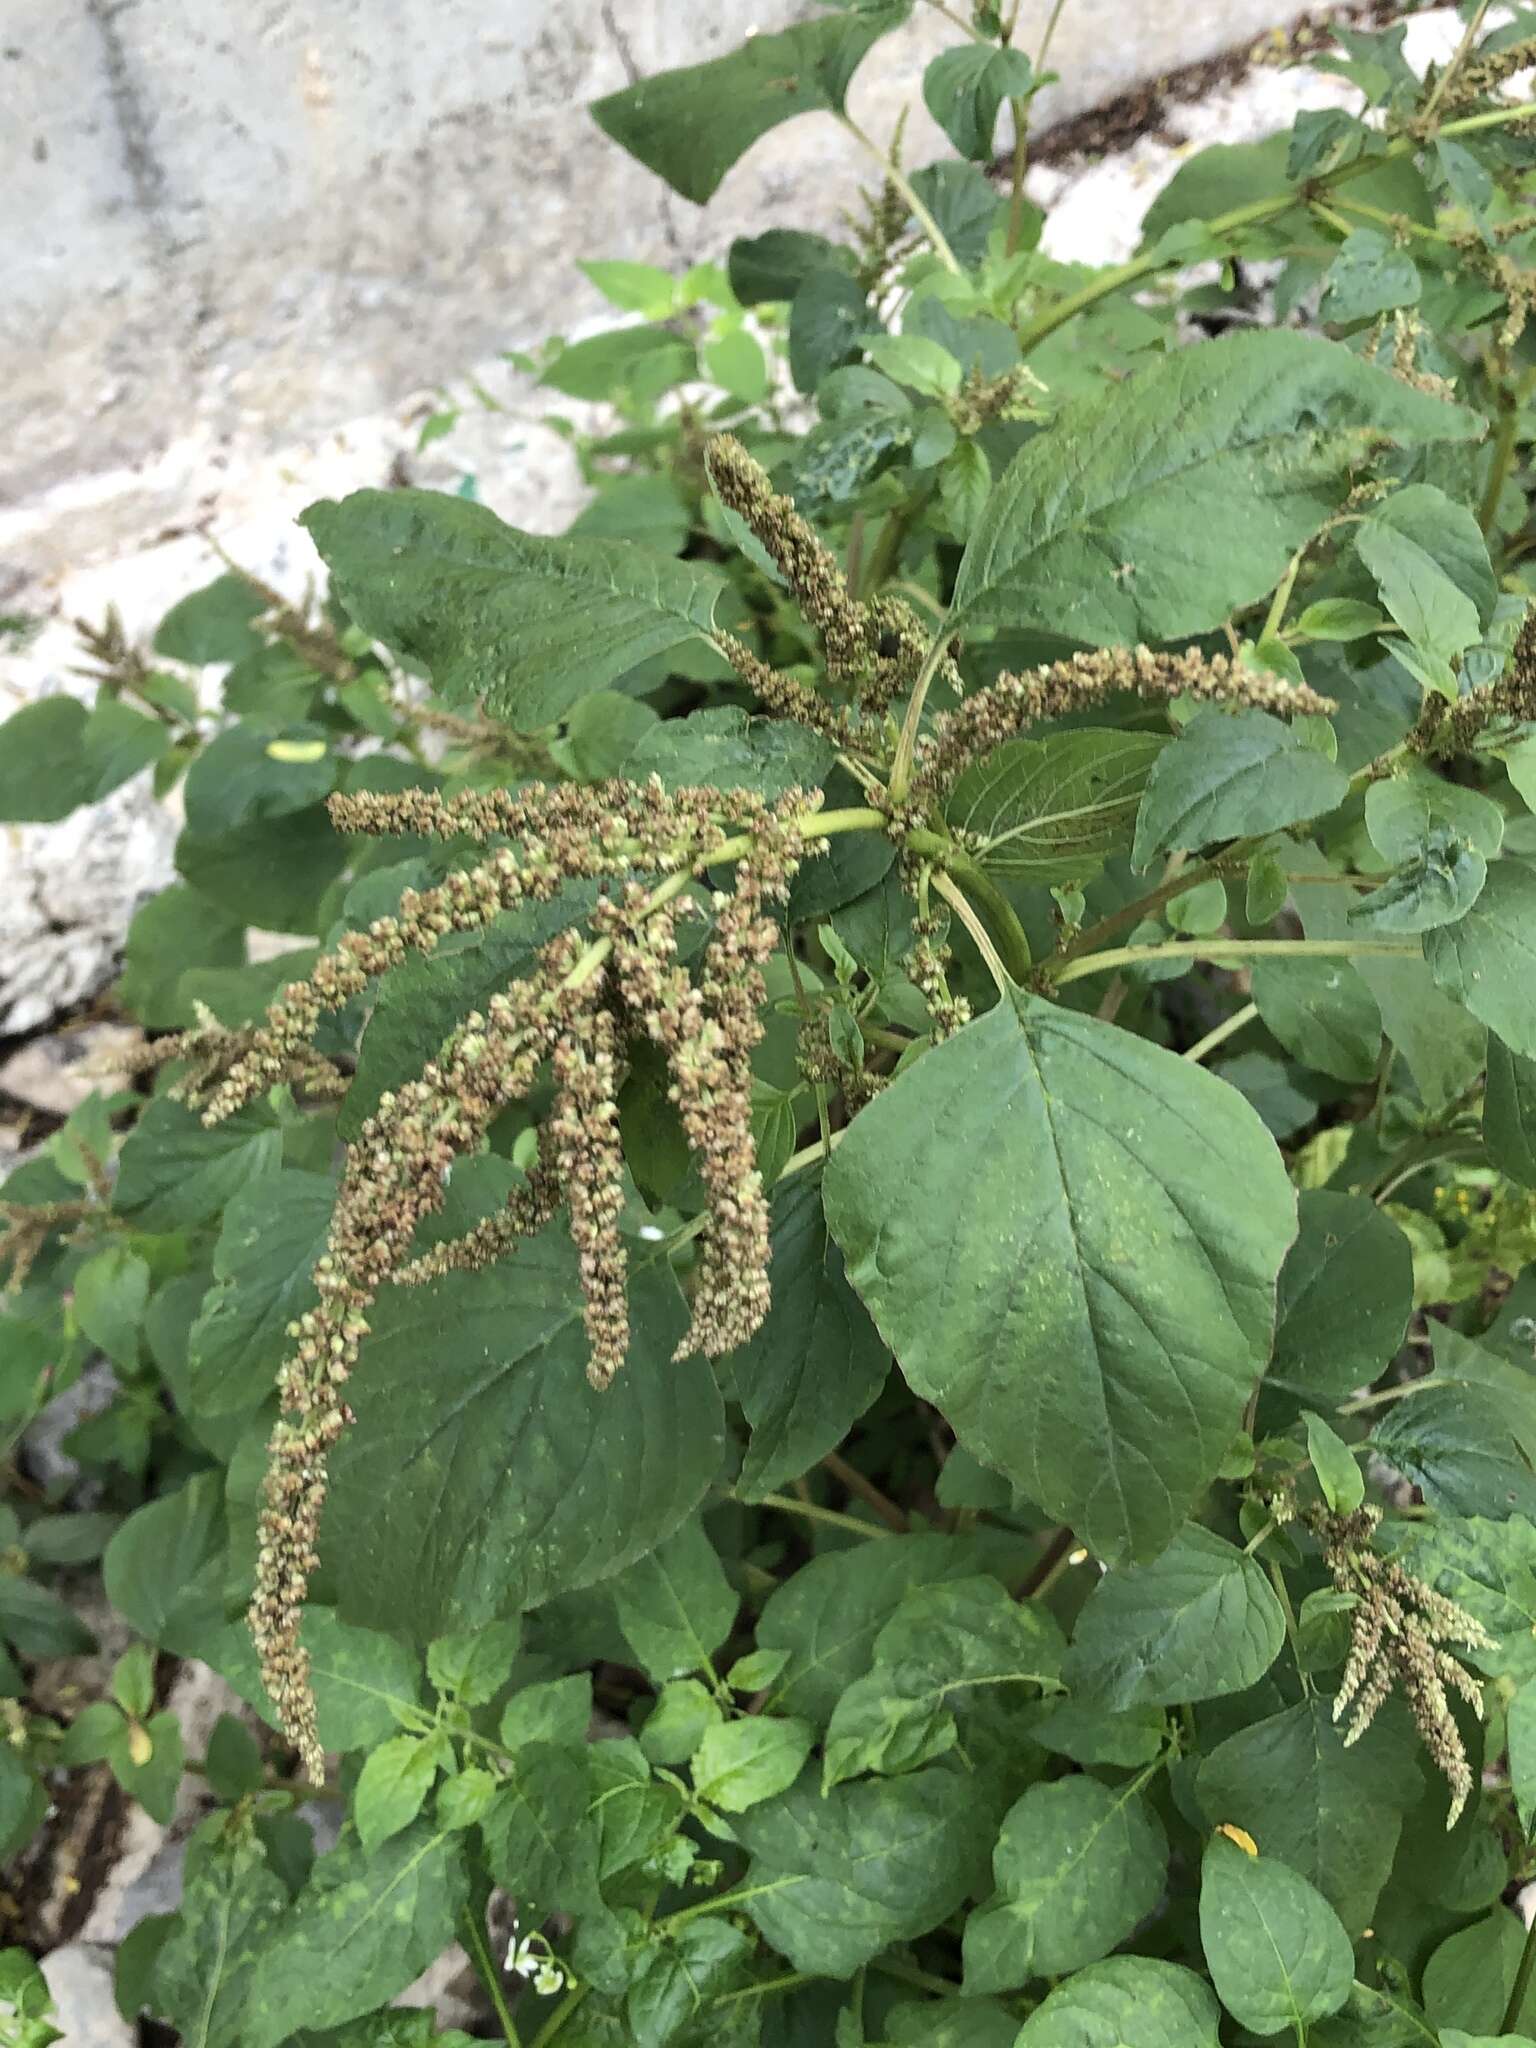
146,173
634,75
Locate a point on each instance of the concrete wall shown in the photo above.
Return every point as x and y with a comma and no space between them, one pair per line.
234,223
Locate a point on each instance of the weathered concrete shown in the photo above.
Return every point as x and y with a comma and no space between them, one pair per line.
230,228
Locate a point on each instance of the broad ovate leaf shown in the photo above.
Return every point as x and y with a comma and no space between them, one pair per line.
1126,2002
1246,444
506,1478
1277,1951
1053,809
690,125
526,623
1068,1236
1487,960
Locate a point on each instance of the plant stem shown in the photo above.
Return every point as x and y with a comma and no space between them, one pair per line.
901,767
722,1902
960,903
764,1988
909,1973
1048,1565
851,1477
1282,598
1011,936
1232,949
1283,1595
485,1970
1220,1033
1522,1982
1020,111
1462,51
903,184
555,2024
786,1504
1256,213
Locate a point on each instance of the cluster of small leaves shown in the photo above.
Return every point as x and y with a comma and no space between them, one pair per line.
984,952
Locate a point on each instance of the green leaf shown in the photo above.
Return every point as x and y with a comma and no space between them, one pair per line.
271,872
1323,1013
558,1711
1332,1814
1438,887
473,1667
722,748
1126,2002
1338,1475
772,266
1054,809
676,1606
1469,1978
230,1904
1488,959
175,1172
1254,436
421,1001
540,1840
263,1269
1065,1233
1509,1112
117,742
679,1975
964,88
828,323
627,366
964,204
212,624
941,1642
825,1618
1231,774
233,1761
360,1930
741,1763
1340,618
690,125
1369,275
43,771
1403,810
1440,619
912,359
36,1622
174,931
509,1479
1077,1864
164,1569
392,1787
1346,1293
1277,1953
111,1293
1487,1567
817,1362
1454,1443
526,623
844,1876
238,777
1199,1622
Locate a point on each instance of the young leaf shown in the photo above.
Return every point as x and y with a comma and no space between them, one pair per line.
1369,275
1253,436
1077,1865
689,126
541,1841
558,1711
539,1463
230,1904
839,1878
1126,2002
964,88
1338,1475
741,1763
1053,809
942,1642
472,1667
527,624
392,1787
676,1606
1231,773
817,1362
1198,1623
1277,1953
1119,1217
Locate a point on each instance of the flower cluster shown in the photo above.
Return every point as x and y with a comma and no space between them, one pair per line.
1014,702
1398,1628
1445,729
873,650
582,1000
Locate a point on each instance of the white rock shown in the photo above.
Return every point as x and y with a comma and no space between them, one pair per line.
80,1978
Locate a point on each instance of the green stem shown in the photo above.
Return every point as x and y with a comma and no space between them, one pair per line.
960,903
1282,598
1220,1033
901,767
1283,1595
788,1505
881,1504
1231,949
764,1988
1462,52
485,1970
1256,213
909,1973
1522,1982
904,186
555,2024
722,1902
1001,915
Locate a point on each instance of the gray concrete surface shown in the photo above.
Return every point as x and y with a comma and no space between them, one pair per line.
229,227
